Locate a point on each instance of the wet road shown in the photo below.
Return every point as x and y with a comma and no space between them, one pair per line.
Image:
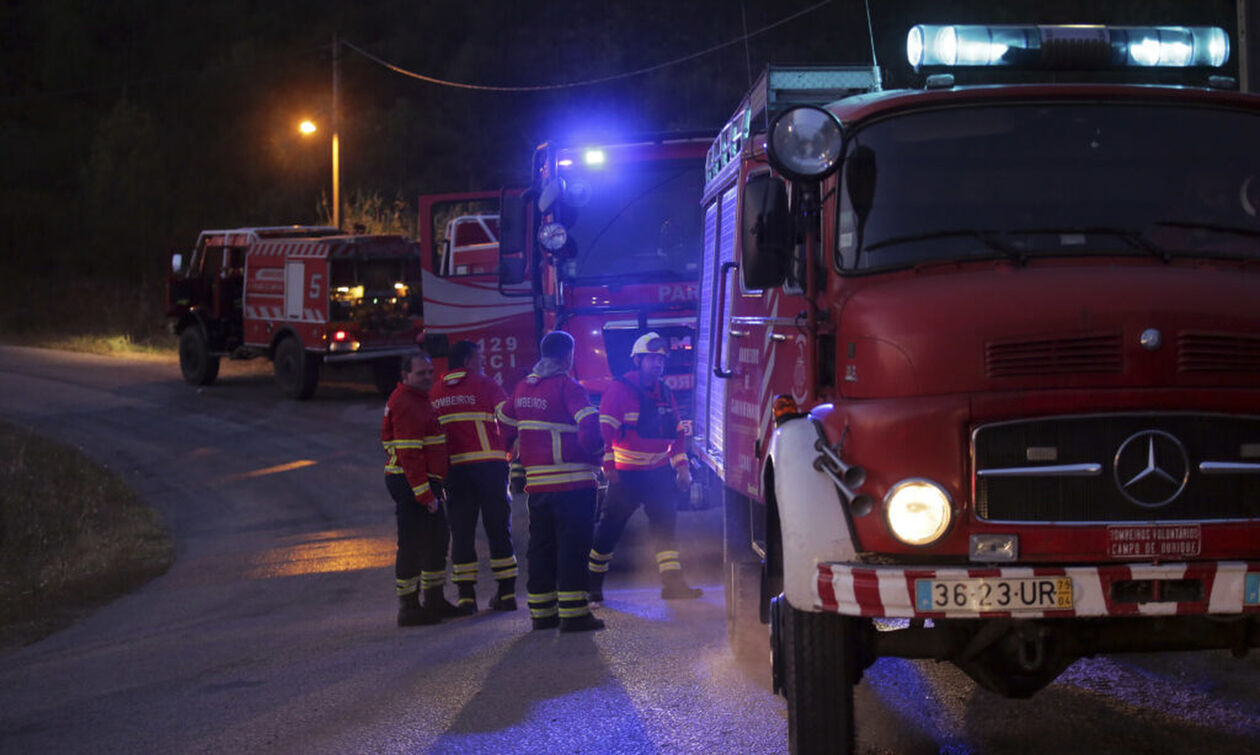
274,630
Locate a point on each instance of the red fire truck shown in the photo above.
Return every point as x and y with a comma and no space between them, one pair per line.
604,243
979,366
298,295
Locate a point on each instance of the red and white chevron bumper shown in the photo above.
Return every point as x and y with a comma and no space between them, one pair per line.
1217,587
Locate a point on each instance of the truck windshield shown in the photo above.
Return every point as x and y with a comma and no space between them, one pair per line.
638,220
1022,180
367,290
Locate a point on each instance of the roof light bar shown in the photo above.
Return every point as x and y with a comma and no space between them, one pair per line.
1067,46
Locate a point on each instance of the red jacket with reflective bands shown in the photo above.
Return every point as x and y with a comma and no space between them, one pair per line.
467,405
413,440
619,421
558,429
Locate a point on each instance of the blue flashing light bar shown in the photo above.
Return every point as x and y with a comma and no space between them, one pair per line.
593,157
1067,46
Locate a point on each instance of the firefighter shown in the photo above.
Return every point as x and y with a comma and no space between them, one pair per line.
560,446
467,402
644,460
414,469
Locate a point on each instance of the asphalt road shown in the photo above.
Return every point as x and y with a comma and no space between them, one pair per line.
274,630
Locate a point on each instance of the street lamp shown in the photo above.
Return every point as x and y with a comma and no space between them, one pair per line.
307,127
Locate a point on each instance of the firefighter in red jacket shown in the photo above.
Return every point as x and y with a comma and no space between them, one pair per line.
467,402
416,463
644,460
560,447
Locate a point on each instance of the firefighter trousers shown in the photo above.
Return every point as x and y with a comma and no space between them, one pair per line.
560,526
480,490
655,490
422,539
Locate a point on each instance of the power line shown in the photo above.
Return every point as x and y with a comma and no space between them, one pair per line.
743,38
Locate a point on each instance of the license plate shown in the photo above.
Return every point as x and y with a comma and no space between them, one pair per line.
993,594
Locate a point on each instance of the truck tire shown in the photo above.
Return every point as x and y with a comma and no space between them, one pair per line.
297,372
385,374
819,666
195,361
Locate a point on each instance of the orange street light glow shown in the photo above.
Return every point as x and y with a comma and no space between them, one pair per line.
306,127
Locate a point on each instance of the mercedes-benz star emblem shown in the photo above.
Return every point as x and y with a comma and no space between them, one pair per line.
1151,468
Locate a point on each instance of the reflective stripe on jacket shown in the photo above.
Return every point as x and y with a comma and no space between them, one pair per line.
558,430
467,406
413,440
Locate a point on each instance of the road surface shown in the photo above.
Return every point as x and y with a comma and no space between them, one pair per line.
274,630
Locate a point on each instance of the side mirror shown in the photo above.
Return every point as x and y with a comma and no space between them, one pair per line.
766,233
177,263
511,270
512,223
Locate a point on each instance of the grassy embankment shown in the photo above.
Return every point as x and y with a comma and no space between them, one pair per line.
72,535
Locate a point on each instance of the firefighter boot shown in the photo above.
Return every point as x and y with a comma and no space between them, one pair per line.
674,587
466,604
436,604
584,623
411,613
595,588
505,600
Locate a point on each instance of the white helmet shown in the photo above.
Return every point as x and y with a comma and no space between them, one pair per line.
649,343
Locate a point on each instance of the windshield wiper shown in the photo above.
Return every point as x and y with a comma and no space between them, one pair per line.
986,237
1135,239
1197,225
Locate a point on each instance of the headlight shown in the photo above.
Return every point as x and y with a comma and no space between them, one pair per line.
918,511
805,143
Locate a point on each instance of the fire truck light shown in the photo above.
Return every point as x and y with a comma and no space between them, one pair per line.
593,157
565,163
918,511
1067,45
339,335
805,142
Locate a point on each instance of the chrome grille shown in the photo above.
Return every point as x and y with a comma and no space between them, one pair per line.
1074,476
1101,352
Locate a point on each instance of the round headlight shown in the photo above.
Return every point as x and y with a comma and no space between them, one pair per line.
918,512
805,143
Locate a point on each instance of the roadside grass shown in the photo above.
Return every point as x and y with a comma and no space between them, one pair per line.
72,537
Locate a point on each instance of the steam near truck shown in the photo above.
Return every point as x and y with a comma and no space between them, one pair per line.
978,372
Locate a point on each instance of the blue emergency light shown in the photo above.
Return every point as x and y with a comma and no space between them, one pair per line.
1067,46
593,157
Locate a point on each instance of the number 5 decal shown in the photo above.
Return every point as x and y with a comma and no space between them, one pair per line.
316,280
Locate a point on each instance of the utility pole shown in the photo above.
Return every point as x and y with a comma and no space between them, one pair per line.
336,124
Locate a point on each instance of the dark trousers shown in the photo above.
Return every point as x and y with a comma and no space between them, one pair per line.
422,539
654,489
474,490
560,527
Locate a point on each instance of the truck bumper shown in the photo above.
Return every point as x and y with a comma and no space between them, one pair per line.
1138,589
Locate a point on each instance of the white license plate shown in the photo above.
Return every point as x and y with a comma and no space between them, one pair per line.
993,594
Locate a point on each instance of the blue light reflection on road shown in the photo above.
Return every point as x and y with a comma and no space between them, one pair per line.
900,685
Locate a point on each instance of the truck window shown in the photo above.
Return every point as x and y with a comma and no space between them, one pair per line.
465,238
362,288
1049,179
636,218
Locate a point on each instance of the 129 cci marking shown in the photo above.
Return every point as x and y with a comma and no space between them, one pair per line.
989,594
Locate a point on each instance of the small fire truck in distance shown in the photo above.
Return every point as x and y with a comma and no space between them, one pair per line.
980,366
604,243
298,295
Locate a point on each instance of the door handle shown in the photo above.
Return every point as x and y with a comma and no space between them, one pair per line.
721,315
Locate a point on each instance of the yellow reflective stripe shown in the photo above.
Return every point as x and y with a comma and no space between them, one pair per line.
559,479
540,597
507,572
632,418
537,424
665,555
597,556
391,467
611,421
483,439
505,561
420,489
557,447
452,377
572,594
669,566
477,456
434,440
573,613
466,602
502,417
408,443
542,613
583,413
466,417
597,567
549,468
638,458
678,460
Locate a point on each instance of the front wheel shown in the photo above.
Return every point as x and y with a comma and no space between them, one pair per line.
195,360
297,372
819,665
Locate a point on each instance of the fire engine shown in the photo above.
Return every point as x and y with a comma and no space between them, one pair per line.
978,366
298,295
603,243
